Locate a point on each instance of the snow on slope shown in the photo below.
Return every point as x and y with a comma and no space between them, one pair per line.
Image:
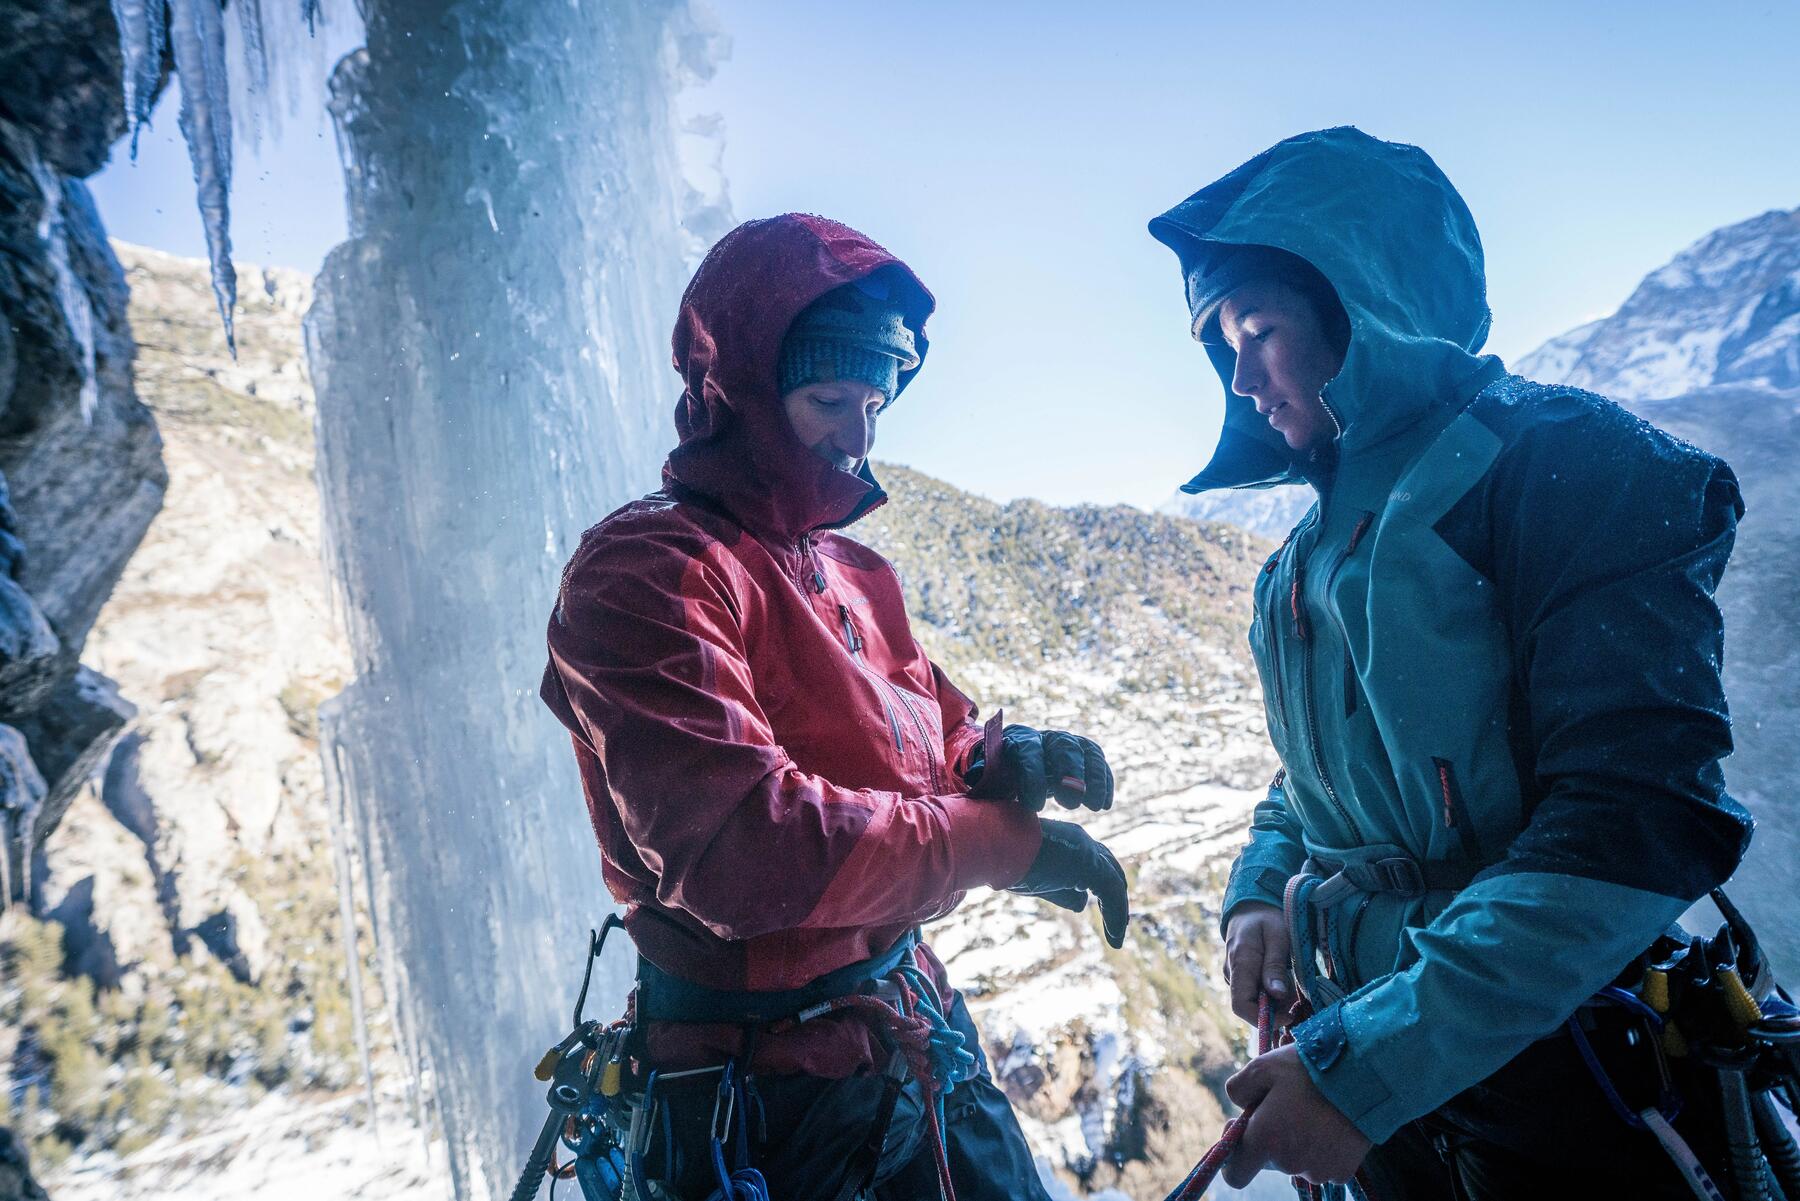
1724,311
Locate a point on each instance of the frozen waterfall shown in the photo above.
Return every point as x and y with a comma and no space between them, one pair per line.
490,355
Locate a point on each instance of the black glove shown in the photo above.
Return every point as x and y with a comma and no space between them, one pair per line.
1069,866
1032,765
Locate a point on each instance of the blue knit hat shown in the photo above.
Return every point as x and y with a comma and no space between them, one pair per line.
855,332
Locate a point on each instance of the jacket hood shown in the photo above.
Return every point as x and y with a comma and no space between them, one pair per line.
736,445
1391,235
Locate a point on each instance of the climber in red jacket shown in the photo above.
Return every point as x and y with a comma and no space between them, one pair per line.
783,785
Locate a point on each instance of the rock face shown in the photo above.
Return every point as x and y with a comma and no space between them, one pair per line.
80,462
193,880
1708,347
81,471
219,633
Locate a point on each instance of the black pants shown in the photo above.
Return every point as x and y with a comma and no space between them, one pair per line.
1538,1128
805,1134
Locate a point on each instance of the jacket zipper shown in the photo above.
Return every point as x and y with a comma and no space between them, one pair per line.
809,559
931,758
1309,702
1272,628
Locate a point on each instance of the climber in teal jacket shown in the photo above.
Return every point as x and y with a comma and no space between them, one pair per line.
1490,658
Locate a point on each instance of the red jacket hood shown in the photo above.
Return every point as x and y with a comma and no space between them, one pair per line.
736,445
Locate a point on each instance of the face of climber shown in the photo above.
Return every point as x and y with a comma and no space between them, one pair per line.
836,420
1284,359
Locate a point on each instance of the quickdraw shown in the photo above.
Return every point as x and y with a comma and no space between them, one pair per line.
581,1069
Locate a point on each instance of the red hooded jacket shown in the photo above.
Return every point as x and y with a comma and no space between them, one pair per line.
772,765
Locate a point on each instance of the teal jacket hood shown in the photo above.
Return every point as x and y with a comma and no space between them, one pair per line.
1390,234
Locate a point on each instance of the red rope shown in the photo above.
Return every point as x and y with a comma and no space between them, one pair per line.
1201,1178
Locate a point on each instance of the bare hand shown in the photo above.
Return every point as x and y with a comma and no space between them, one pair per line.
1294,1129
1256,961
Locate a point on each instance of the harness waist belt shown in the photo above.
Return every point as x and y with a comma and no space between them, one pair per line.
662,997
1397,874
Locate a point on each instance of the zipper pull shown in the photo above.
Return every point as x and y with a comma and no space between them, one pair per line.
818,574
850,638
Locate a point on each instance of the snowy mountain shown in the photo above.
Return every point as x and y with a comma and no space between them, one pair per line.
1725,311
1708,347
1271,512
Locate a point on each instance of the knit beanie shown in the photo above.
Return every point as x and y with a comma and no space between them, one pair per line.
1220,269
855,332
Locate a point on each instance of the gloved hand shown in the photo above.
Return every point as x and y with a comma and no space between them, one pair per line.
1069,866
1031,765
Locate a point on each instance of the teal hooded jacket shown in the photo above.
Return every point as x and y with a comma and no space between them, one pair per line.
1491,647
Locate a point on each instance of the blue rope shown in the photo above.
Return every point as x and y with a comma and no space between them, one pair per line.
1305,945
951,1060
745,1184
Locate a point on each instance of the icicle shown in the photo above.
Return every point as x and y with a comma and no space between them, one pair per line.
141,25
341,860
77,310
309,12
255,54
197,32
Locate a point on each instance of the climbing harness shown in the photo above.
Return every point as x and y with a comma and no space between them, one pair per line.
609,1126
1708,1037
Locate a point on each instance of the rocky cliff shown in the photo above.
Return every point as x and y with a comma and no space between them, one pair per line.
189,960
80,465
81,471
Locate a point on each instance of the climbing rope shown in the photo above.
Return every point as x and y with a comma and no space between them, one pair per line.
934,1051
1201,1178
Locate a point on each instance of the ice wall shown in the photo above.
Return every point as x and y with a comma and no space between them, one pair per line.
490,352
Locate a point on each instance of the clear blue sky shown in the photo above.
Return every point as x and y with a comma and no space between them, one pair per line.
1012,152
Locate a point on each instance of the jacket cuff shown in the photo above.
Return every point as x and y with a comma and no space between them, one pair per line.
992,843
1346,1074
1250,881
959,746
